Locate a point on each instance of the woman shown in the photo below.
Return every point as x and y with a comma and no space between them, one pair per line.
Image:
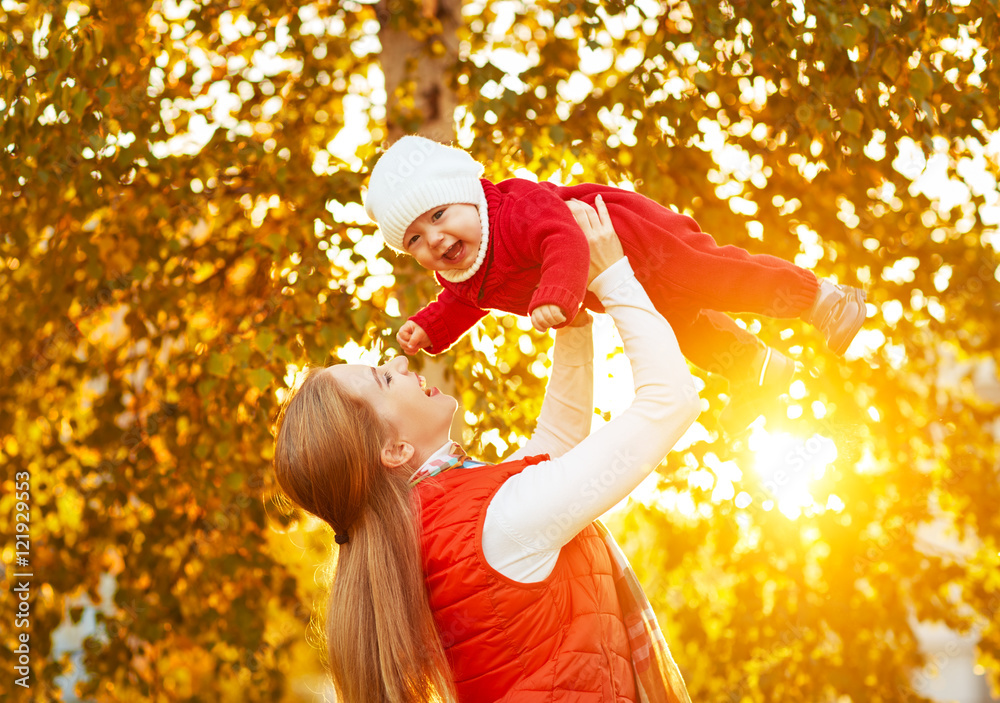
484,583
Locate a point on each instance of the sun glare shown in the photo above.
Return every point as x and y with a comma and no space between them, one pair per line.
354,353
788,465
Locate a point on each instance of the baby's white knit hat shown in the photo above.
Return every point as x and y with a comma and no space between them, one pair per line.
416,174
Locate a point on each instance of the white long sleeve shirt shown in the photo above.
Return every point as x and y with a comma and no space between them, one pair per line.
543,507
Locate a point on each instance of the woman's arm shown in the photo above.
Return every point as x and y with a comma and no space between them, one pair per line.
539,510
568,408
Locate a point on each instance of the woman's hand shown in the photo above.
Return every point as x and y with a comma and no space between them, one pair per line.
582,319
605,247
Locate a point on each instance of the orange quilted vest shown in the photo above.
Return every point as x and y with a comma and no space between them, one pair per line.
560,640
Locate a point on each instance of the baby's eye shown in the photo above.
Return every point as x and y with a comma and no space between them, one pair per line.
413,240
437,215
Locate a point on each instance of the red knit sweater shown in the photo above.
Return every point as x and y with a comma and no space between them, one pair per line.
538,255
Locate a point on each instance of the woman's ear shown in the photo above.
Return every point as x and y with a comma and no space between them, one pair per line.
396,454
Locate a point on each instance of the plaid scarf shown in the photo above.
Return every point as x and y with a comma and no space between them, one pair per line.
456,456
657,678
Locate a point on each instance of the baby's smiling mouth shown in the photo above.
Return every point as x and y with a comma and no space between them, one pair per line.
452,252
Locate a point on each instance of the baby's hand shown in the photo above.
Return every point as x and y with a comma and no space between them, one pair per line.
545,316
412,338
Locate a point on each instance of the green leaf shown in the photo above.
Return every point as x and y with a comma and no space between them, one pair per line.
63,56
283,353
207,385
263,341
879,17
891,65
218,365
80,102
921,84
846,36
360,318
852,121
240,353
260,378
332,338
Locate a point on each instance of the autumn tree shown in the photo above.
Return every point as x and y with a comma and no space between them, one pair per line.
180,196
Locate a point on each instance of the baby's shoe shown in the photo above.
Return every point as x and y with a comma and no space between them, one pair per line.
751,399
838,312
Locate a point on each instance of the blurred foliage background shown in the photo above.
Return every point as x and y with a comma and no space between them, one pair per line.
180,230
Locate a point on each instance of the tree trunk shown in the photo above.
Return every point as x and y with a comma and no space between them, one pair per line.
420,100
418,72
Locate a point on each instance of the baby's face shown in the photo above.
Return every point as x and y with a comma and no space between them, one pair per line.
445,237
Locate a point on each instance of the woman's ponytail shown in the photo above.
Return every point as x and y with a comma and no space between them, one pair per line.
383,645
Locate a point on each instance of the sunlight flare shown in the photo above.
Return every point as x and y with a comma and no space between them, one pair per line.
788,465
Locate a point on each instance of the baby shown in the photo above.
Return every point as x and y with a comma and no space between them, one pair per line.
516,246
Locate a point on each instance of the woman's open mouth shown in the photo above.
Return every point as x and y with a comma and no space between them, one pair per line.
429,392
454,252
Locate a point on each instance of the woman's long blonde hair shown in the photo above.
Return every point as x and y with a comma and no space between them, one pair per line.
383,645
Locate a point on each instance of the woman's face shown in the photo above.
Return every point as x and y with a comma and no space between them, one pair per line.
420,417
